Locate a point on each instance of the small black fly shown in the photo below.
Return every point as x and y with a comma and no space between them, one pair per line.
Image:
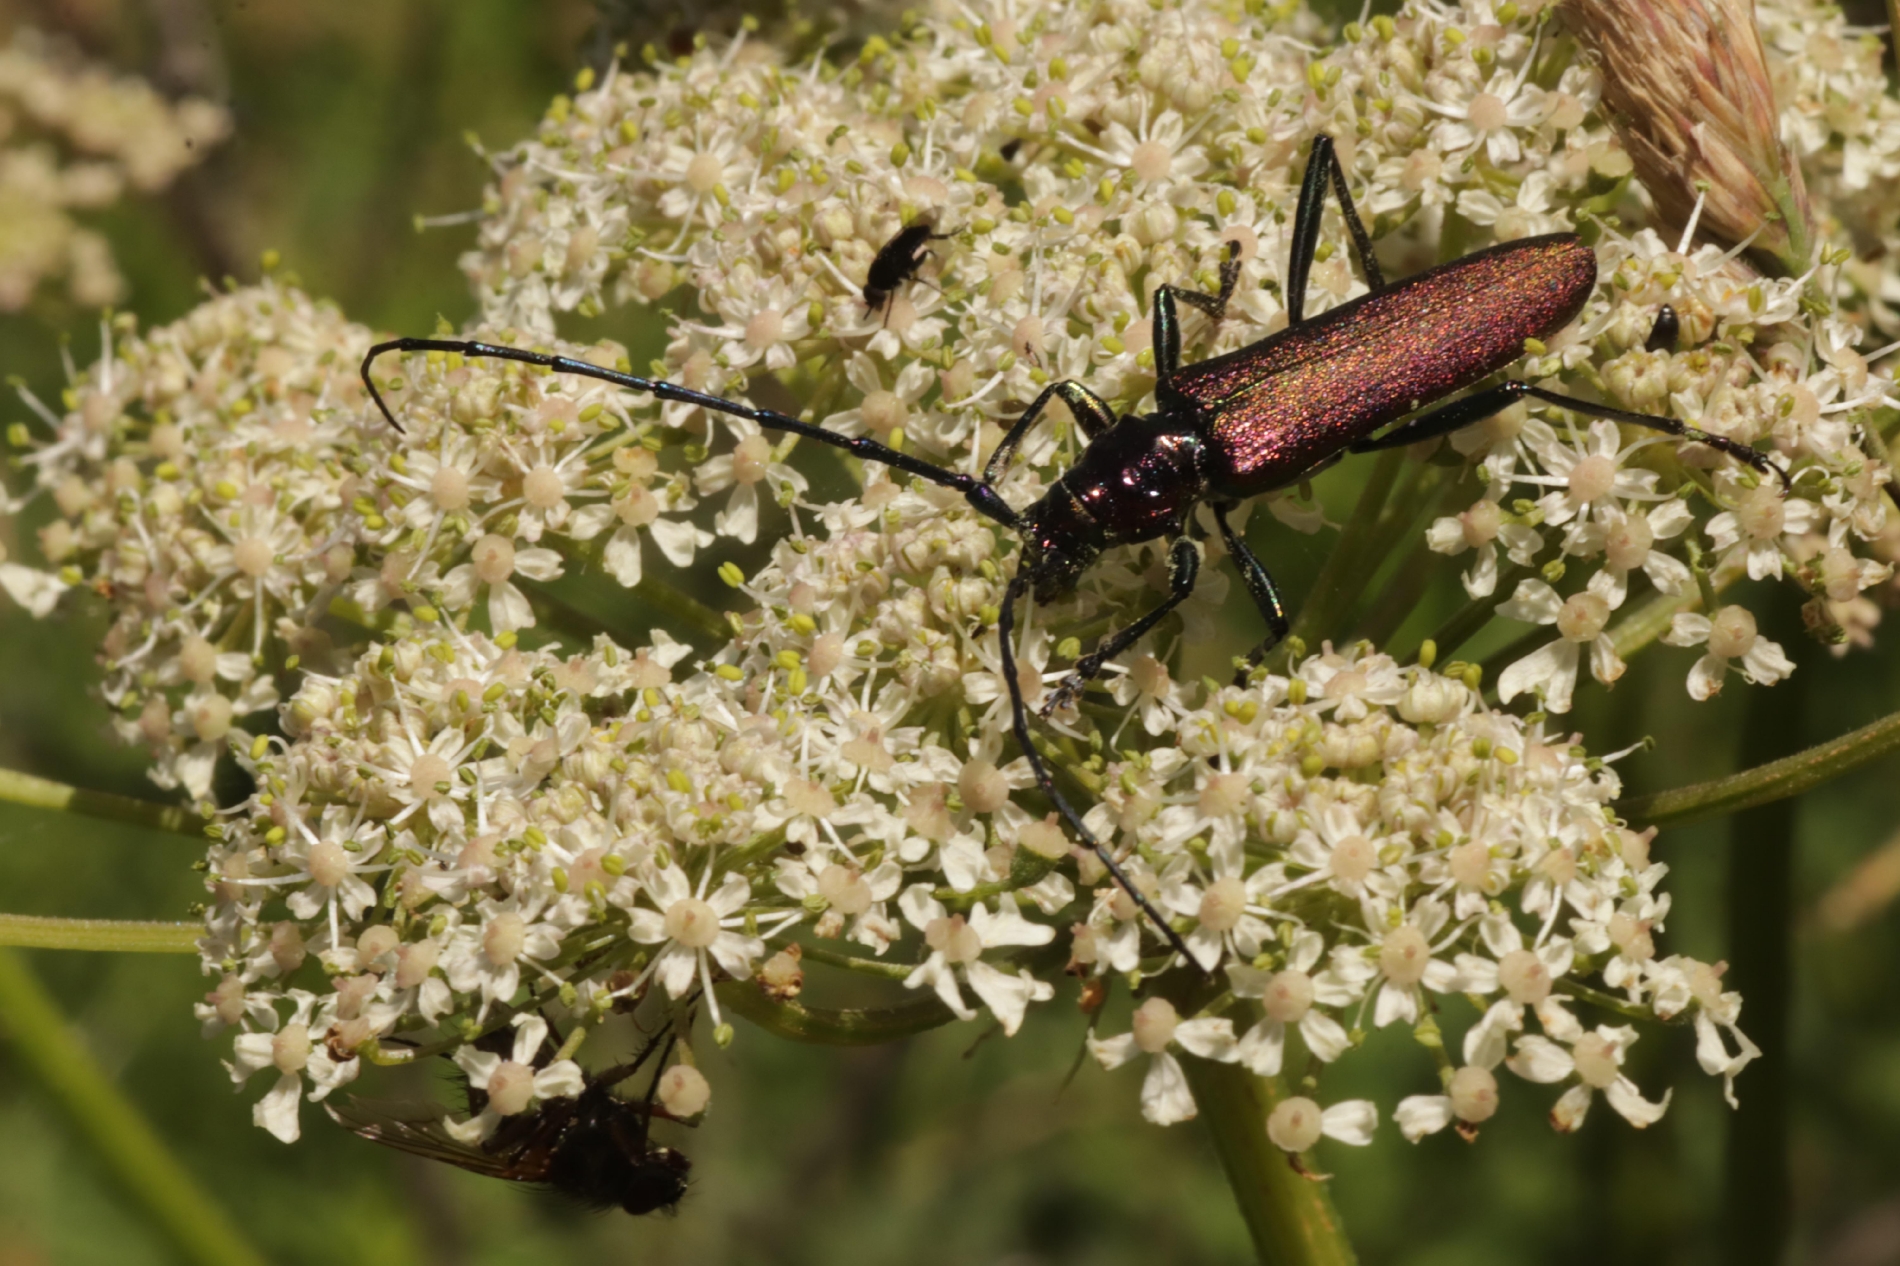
897,262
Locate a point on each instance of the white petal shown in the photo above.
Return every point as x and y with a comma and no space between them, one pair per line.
37,591
1350,1121
508,608
1164,1092
1112,1052
1572,1106
1687,628
1487,1041
1263,1047
1210,1037
477,1065
1394,1004
1631,1106
621,558
1540,1059
530,1031
1549,665
936,973
1007,996
473,1130
1007,926
537,564
919,907
1325,1037
277,1110
1765,664
1419,1115
1705,679
1534,603
677,969
740,518
648,926
678,541
1668,574
1605,664
560,1080
736,953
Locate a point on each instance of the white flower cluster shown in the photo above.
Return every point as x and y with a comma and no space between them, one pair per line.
203,478
458,833
119,131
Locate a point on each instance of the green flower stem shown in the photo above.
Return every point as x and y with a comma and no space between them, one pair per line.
1469,620
846,1026
851,962
119,936
683,607
1342,579
1651,620
111,1126
1764,784
1756,1215
1291,1216
41,793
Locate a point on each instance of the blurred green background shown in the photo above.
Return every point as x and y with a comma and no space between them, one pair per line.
350,117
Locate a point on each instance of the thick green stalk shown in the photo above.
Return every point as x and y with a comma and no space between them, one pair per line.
1757,1211
846,1026
42,793
1291,1216
1765,783
116,936
111,1126
1342,579
1469,620
683,607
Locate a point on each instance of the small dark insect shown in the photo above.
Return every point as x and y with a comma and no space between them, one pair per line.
593,1148
1355,379
1663,334
897,262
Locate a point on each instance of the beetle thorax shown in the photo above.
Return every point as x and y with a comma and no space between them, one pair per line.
1136,481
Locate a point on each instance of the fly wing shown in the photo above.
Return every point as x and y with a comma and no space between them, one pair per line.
416,1128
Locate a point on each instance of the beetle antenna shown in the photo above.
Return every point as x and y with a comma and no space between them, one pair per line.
1019,722
983,497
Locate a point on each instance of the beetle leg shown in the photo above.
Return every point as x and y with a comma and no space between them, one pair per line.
981,495
1215,305
1167,317
1184,564
1443,420
1019,723
1090,411
1477,407
1322,168
1266,595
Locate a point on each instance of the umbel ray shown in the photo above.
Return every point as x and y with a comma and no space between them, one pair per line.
1264,417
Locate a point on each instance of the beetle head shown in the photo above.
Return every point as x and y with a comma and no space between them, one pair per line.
1060,542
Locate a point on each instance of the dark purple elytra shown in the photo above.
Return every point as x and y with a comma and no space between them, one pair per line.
1266,416
1286,402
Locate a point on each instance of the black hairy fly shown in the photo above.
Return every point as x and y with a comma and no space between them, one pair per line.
1264,417
594,1148
897,262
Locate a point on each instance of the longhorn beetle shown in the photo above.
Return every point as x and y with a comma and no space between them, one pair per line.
1266,416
